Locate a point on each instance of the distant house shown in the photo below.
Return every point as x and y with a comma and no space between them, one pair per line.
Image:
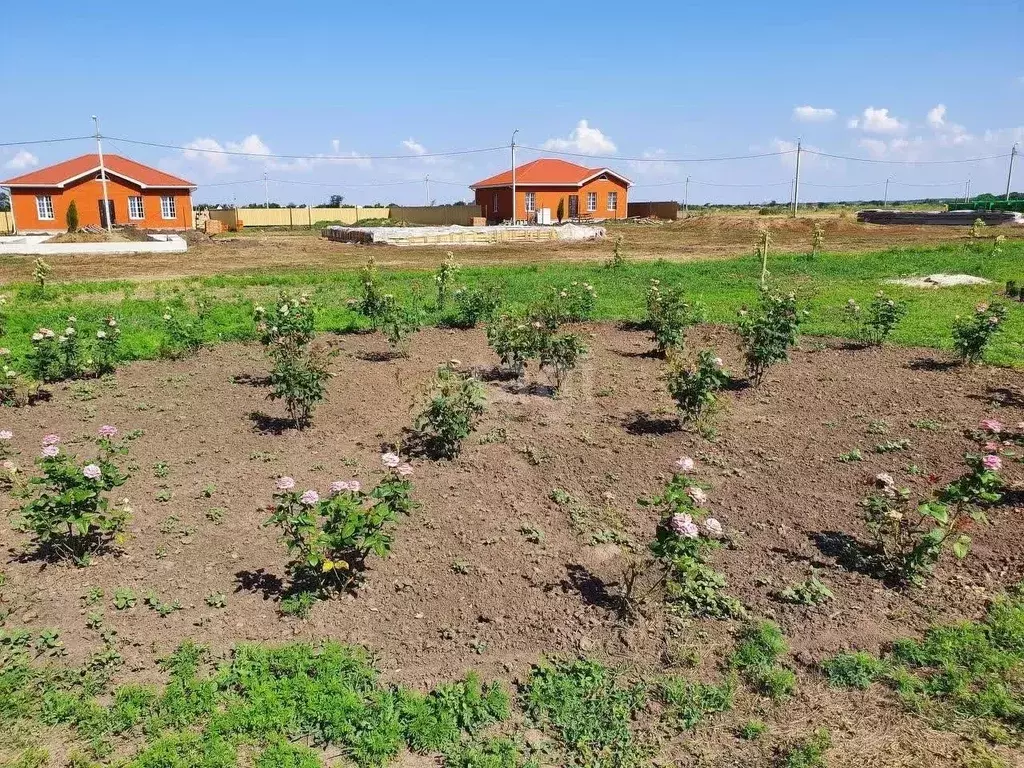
136,194
568,191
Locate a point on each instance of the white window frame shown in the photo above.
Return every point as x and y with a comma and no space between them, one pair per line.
132,213
591,202
531,201
613,201
494,202
44,208
168,207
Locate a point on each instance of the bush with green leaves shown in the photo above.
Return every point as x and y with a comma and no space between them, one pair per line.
289,323
455,404
474,305
973,334
669,314
853,670
183,332
513,339
67,509
371,302
756,657
817,238
574,303
299,378
71,217
678,567
107,347
444,278
687,703
618,258
397,322
695,388
44,359
808,752
558,355
329,538
41,272
768,331
810,591
877,323
910,536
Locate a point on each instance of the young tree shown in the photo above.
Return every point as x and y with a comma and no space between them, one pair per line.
71,217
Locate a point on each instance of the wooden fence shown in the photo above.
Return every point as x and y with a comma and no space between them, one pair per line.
661,210
436,215
293,217
6,222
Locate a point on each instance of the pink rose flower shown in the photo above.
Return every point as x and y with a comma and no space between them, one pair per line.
285,483
992,425
713,527
991,447
405,470
338,486
108,431
51,439
354,486
49,451
685,464
992,462
683,525
697,495
6,434
91,471
390,460
310,497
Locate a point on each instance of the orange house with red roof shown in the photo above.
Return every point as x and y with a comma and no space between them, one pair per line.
136,194
571,192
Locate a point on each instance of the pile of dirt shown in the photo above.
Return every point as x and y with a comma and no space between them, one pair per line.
96,235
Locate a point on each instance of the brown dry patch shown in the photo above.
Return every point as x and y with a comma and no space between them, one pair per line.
700,237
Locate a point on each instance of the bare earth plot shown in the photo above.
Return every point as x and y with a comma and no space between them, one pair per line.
490,573
701,237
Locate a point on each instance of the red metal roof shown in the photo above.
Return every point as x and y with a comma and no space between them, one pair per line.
548,172
60,174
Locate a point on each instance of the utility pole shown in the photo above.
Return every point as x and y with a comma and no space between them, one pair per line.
885,199
103,174
514,175
686,197
1009,173
266,190
967,191
796,180
426,184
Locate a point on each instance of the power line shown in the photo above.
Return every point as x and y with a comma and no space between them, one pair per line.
333,158
905,162
346,184
656,159
44,141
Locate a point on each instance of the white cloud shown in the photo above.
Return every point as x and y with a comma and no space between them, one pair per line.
936,117
653,166
414,146
875,147
252,148
880,121
809,114
853,122
22,160
583,139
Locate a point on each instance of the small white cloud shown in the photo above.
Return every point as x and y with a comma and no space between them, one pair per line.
583,139
809,114
336,145
880,121
853,122
22,160
414,146
936,117
876,147
252,148
654,166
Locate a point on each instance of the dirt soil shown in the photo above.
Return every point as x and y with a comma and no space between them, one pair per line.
609,439
697,238
119,235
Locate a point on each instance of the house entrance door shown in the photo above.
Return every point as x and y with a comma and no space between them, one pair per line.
574,206
109,211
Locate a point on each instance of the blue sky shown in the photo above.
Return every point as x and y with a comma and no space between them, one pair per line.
938,80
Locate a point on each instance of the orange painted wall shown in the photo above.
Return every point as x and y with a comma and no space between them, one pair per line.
548,197
87,193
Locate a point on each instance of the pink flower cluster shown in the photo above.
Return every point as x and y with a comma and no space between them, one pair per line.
685,464
310,497
91,471
992,425
992,462
341,486
108,431
394,461
285,483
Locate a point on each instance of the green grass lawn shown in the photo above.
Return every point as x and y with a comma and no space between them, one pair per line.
824,284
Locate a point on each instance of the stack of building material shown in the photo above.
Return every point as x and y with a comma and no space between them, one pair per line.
938,218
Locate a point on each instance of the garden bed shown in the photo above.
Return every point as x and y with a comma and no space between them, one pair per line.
490,573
